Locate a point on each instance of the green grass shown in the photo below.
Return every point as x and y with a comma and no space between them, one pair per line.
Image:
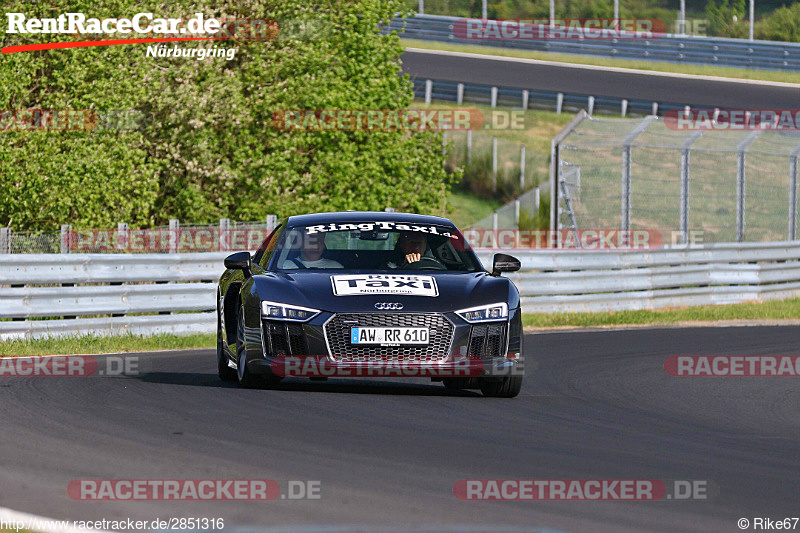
94,344
465,208
774,310
702,70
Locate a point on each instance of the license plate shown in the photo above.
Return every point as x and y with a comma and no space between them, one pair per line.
359,335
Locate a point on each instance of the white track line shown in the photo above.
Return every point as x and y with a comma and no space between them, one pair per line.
604,69
31,520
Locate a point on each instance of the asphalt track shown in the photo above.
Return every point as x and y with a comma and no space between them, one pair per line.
598,82
599,406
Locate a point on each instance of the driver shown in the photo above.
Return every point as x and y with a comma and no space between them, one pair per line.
311,254
412,247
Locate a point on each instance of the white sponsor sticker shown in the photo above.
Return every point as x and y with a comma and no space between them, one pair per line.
383,226
353,284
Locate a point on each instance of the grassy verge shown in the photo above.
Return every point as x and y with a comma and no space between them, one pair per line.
93,344
465,208
701,70
775,310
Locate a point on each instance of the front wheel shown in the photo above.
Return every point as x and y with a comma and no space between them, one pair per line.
247,379
507,387
224,371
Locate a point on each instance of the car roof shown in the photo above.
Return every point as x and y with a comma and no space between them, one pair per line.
365,216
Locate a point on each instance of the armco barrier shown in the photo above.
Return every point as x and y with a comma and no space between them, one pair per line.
182,287
38,290
568,281
670,48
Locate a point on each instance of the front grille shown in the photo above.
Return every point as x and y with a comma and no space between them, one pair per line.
487,341
284,338
337,332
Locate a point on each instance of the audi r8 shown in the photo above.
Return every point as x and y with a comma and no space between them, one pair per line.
373,294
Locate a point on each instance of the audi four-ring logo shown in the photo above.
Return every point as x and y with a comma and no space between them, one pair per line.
388,305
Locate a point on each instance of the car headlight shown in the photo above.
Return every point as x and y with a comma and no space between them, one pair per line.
294,313
484,313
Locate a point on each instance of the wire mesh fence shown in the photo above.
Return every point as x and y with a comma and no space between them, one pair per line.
494,167
517,214
716,184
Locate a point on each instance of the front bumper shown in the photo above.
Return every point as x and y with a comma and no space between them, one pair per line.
471,350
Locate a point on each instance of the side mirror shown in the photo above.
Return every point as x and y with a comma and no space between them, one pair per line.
504,263
240,261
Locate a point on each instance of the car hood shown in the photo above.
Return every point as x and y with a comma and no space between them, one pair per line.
456,290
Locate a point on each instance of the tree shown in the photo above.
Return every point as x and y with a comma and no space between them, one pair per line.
204,145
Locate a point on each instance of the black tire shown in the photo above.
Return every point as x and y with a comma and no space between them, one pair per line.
247,379
225,372
507,387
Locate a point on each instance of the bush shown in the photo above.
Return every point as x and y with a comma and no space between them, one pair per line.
728,19
783,24
478,179
538,220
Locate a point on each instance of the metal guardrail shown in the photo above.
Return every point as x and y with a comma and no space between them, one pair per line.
567,281
769,55
551,280
144,293
470,93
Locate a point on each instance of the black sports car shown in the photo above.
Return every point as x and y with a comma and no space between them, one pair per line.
369,294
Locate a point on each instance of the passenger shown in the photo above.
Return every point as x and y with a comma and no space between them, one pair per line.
311,254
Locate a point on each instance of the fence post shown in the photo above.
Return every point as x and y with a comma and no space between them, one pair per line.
654,109
272,222
625,224
684,208
559,102
174,230
536,199
469,146
494,229
521,168
428,91
494,96
740,182
494,163
444,145
793,194
591,105
5,240
421,7
516,212
555,160
525,98
224,234
624,107
66,230
122,235
460,94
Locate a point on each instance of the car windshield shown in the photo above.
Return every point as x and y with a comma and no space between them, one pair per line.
381,245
